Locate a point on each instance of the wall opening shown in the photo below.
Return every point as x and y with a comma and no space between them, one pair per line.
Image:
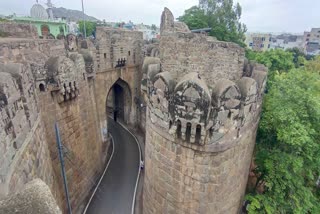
118,102
42,88
198,134
105,55
211,132
188,132
45,30
178,129
170,124
129,53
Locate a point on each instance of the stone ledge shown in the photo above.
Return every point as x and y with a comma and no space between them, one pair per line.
35,198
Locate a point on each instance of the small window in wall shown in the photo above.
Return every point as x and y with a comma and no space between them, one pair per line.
121,50
42,88
198,134
170,124
129,53
15,145
211,132
250,44
188,132
105,55
179,129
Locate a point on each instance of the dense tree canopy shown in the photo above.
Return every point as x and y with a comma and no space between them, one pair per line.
288,146
90,27
287,155
220,15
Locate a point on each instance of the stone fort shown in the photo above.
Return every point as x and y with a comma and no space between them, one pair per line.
197,99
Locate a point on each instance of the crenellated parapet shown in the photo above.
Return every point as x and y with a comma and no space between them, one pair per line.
194,113
203,107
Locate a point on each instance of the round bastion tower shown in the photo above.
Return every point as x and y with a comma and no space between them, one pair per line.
203,107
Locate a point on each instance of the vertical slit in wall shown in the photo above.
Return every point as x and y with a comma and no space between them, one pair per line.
198,134
188,132
179,129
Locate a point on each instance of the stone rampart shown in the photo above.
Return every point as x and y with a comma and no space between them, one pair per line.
201,121
14,30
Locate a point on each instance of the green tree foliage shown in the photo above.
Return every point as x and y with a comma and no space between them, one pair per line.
288,146
220,15
275,60
299,58
313,65
90,27
195,18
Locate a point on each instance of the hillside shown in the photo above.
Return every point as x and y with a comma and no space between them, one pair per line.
72,15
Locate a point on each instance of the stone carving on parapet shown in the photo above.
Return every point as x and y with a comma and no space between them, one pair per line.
71,42
63,74
199,106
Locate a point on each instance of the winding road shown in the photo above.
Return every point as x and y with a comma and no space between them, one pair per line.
115,194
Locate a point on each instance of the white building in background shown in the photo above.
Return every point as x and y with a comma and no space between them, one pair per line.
148,32
73,27
287,41
312,41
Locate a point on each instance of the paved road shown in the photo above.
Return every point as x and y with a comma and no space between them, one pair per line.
116,191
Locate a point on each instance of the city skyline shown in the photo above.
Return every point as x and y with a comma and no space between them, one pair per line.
272,16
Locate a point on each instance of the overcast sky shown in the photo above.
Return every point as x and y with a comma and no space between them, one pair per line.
259,15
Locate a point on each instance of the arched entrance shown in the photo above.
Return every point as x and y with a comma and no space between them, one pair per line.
119,101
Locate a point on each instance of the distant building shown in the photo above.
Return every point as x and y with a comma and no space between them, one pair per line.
312,41
43,20
287,41
258,41
73,27
45,27
149,33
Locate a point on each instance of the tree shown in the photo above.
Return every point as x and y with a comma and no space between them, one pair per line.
195,18
299,57
90,27
220,15
313,65
153,27
288,146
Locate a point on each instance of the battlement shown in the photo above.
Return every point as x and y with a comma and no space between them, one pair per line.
118,44
201,91
203,107
194,113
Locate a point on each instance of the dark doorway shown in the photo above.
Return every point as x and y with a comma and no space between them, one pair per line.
118,102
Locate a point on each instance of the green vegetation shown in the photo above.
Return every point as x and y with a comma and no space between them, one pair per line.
90,27
287,153
220,15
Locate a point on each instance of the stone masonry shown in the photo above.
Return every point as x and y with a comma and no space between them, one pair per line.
65,81
203,107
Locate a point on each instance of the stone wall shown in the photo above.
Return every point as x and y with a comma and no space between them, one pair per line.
183,180
113,44
48,81
203,108
14,30
40,83
182,53
35,197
